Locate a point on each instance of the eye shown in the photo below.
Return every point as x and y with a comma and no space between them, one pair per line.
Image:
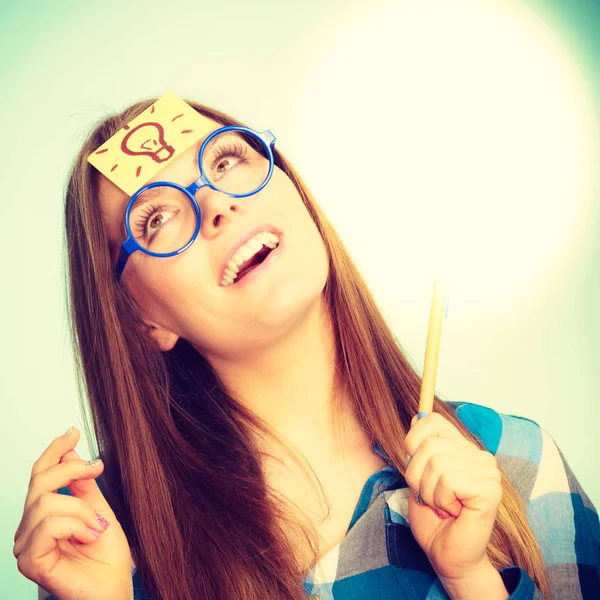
225,158
152,220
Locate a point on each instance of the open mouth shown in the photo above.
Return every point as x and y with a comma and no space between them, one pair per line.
253,262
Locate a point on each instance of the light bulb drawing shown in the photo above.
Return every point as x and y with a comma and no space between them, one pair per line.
149,142
148,139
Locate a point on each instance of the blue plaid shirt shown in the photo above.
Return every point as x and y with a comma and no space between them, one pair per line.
379,557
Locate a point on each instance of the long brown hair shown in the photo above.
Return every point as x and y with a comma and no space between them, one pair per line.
182,472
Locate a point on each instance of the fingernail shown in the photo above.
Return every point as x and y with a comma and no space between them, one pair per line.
102,521
68,431
93,463
407,460
94,532
419,499
441,514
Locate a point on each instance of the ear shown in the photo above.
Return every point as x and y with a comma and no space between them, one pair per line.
163,339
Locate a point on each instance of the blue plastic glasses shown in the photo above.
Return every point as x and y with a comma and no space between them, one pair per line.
163,218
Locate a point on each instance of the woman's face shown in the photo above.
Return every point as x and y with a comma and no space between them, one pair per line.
183,295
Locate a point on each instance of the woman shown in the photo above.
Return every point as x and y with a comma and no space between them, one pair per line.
254,430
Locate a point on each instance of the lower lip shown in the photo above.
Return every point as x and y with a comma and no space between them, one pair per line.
272,258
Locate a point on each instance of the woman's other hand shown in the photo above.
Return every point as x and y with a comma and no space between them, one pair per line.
463,484
54,545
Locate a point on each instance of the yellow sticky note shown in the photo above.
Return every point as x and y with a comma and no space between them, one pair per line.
148,143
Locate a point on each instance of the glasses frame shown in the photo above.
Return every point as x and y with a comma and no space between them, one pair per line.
130,245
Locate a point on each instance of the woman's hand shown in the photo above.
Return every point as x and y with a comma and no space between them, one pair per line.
463,484
53,544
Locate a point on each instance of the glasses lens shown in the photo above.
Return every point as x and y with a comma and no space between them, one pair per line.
163,219
235,162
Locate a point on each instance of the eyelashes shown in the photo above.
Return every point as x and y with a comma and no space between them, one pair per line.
234,150
147,211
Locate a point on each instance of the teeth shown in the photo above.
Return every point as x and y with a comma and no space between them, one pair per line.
237,259
247,251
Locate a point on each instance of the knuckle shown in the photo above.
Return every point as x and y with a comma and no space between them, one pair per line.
436,463
428,444
45,523
33,483
445,480
21,564
43,501
24,566
19,547
36,508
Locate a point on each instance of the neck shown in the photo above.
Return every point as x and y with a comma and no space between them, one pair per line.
289,383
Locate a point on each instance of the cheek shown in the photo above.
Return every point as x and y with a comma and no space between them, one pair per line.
282,189
307,240
163,286
150,292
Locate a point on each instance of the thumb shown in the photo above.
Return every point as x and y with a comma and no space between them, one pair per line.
88,489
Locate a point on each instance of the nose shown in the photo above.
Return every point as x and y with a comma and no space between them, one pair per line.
216,206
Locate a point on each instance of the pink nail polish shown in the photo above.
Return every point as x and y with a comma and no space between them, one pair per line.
440,515
94,532
102,521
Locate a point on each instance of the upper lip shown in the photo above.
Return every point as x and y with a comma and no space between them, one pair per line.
246,235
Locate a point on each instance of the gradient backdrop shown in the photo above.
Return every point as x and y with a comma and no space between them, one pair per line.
457,137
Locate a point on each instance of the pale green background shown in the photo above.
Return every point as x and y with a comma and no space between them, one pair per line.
65,64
